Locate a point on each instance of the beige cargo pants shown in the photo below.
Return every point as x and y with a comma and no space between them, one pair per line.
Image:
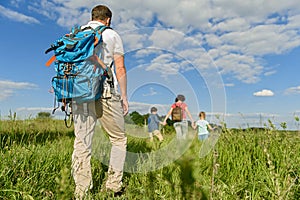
110,113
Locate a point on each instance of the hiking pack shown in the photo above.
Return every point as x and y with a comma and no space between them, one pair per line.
77,78
176,114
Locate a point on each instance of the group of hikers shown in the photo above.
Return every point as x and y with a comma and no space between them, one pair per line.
110,106
181,123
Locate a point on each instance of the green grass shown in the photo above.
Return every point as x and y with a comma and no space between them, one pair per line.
245,164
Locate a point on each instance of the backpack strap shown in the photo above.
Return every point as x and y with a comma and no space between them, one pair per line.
75,30
50,61
98,31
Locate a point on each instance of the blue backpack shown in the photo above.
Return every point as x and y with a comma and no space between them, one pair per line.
77,79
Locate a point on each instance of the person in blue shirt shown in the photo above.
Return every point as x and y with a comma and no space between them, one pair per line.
153,125
202,126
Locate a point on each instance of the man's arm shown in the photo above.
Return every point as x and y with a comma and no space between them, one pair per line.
122,80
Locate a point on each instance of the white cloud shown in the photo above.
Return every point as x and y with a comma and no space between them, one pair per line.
9,88
16,85
244,115
233,24
134,40
142,53
243,67
5,93
166,39
292,90
264,93
165,67
269,73
237,34
144,108
293,21
36,109
151,92
252,10
16,16
229,84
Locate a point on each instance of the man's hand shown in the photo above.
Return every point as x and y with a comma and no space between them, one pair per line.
125,106
95,60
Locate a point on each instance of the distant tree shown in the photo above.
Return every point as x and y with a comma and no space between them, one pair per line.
137,118
43,115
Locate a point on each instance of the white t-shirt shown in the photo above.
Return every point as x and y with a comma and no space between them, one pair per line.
202,127
112,45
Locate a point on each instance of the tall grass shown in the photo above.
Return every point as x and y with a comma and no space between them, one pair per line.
259,165
35,156
245,164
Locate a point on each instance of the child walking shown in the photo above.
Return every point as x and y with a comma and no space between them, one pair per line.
202,126
153,125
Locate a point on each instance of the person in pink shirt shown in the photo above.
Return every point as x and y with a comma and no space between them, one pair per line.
180,125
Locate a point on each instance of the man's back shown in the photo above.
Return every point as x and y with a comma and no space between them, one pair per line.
112,44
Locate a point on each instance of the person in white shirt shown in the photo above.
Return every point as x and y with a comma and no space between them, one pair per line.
110,109
202,126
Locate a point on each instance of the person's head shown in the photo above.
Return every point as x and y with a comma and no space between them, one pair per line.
153,110
102,13
202,115
180,97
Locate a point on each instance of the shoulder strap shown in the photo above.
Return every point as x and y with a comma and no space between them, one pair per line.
102,28
98,32
76,29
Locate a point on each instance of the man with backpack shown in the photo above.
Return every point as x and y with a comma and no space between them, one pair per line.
178,112
110,109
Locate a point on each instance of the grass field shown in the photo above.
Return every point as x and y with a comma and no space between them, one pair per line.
245,164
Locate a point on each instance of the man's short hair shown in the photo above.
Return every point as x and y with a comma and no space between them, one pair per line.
101,12
153,109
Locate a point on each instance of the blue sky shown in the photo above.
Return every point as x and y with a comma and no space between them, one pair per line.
236,60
